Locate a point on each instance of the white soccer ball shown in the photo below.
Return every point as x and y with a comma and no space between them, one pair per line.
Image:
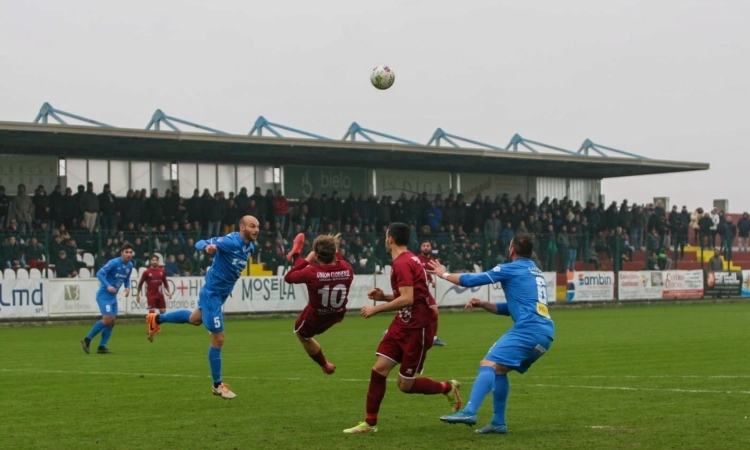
382,77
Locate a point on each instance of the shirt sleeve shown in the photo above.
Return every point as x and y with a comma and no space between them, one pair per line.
295,274
502,309
103,272
404,276
223,243
493,276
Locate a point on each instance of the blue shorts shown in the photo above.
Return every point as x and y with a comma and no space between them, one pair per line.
210,303
107,303
518,351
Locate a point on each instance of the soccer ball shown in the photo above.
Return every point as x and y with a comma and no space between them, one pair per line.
382,77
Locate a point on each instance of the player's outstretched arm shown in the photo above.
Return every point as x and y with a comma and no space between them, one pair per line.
494,308
296,274
479,303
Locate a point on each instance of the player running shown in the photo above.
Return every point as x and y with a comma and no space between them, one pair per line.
155,278
530,337
410,335
112,276
328,278
231,253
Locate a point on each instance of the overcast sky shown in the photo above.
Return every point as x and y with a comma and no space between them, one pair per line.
667,79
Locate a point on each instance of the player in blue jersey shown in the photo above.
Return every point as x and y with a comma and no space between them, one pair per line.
530,337
231,253
114,275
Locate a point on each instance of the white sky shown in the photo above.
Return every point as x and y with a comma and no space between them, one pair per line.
668,79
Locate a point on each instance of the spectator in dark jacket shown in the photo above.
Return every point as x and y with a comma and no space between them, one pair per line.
64,266
743,229
716,264
215,213
260,202
730,233
108,210
41,206
4,208
705,224
155,209
13,253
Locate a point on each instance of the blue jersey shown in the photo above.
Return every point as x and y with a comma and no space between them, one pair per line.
525,292
115,273
230,260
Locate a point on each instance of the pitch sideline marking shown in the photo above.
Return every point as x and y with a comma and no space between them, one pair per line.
362,380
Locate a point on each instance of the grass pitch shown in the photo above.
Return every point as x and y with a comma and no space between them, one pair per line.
656,377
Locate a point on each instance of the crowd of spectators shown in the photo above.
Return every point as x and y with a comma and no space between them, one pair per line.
466,233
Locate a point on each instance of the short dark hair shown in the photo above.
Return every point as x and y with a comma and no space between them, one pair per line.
126,247
523,244
423,240
400,233
153,255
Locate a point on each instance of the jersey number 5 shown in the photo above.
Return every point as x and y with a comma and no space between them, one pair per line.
333,297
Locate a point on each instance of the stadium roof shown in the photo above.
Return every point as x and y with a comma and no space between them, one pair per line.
120,143
213,145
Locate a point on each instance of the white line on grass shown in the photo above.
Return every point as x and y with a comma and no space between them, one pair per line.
623,388
640,376
361,380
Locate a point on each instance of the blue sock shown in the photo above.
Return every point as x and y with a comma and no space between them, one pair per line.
106,333
95,330
482,387
500,397
180,316
214,360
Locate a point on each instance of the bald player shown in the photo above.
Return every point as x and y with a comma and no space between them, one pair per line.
231,253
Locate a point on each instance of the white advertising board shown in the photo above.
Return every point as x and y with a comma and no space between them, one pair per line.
23,298
590,286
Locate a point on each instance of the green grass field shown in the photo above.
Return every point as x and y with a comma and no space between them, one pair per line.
643,377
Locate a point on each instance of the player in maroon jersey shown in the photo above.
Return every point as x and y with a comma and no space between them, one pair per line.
155,278
328,278
410,334
425,256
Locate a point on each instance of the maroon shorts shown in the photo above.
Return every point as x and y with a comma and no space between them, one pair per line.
156,302
408,347
309,324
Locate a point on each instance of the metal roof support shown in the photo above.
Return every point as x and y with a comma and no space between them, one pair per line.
48,110
517,139
440,134
588,145
159,117
261,123
355,129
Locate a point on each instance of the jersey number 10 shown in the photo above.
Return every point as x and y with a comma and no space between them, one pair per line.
332,297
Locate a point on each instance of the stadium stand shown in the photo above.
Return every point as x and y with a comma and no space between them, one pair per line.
467,235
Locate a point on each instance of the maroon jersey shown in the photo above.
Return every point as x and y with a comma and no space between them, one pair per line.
407,270
327,286
430,277
155,279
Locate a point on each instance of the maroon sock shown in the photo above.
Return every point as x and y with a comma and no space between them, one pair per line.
319,358
428,386
375,394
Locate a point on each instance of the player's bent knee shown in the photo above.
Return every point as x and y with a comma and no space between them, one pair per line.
498,368
404,384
